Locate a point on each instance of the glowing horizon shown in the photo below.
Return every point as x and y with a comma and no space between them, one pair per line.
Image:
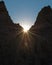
26,28
25,24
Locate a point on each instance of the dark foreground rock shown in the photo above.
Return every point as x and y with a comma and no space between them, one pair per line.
42,31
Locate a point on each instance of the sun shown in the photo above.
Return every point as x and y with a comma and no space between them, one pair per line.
25,28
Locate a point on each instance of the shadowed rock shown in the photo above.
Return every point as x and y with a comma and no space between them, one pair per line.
42,30
8,32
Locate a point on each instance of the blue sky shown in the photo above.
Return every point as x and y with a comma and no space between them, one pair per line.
25,11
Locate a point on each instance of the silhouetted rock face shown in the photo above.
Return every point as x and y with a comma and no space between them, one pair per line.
9,33
43,24
46,14
6,24
4,17
42,31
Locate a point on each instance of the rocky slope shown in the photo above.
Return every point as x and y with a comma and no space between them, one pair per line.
8,34
42,33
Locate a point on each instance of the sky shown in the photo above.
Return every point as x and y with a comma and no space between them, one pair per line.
25,11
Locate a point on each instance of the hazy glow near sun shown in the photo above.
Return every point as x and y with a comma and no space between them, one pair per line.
26,28
26,25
